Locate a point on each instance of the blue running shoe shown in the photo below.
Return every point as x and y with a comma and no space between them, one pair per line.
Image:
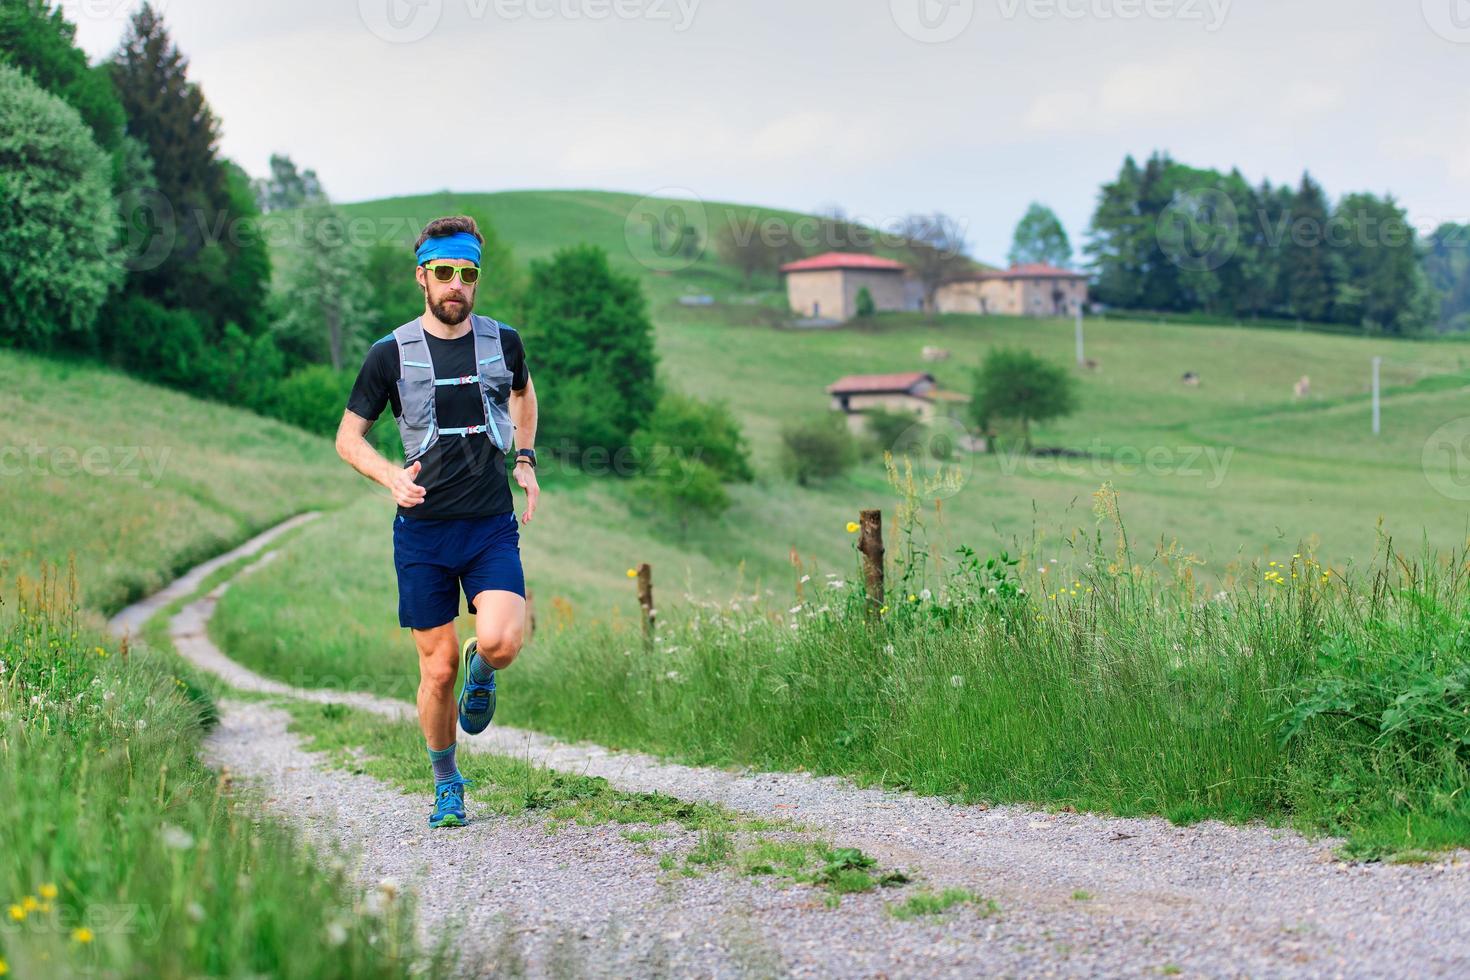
476,701
449,804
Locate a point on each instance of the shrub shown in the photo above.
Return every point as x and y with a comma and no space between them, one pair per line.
692,430
58,227
148,340
898,432
817,449
313,398
1014,383
865,304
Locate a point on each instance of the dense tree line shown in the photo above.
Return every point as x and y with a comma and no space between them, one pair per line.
1166,236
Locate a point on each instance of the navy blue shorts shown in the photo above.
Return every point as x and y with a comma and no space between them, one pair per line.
436,558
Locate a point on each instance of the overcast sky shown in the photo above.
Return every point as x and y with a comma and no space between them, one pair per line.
885,107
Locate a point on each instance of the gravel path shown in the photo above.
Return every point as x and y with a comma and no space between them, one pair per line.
1209,899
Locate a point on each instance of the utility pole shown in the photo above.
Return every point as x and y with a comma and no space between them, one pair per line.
1377,398
1081,357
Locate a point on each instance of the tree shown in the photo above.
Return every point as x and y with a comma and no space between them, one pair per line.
865,305
937,251
684,427
1447,266
1383,284
287,187
744,247
1306,262
1040,237
325,302
216,263
41,42
687,489
589,329
1013,383
58,225
817,448
1115,240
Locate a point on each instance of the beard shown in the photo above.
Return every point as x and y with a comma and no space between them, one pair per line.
447,310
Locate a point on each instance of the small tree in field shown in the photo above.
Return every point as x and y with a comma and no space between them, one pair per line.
1013,383
865,305
817,449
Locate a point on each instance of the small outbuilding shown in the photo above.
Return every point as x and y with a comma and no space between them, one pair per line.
826,287
911,391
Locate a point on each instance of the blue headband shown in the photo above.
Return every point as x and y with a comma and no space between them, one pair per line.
460,245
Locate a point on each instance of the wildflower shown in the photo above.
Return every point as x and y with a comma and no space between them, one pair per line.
29,903
926,595
956,681
108,696
48,891
4,967
883,611
194,911
17,913
100,652
852,527
389,887
672,675
82,934
142,724
795,609
888,649
837,584
913,598
176,838
632,573
336,933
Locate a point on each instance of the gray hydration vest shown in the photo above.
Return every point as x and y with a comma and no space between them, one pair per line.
419,424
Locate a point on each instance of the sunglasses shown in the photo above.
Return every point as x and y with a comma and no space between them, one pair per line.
444,272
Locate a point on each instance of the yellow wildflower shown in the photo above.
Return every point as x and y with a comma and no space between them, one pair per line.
4,968
852,527
29,903
913,598
883,611
82,934
632,573
48,891
17,913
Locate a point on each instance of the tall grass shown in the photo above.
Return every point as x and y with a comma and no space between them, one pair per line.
121,855
1102,682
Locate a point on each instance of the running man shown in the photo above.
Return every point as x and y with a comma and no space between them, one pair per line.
463,400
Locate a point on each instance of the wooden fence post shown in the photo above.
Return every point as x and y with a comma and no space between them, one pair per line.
870,545
645,597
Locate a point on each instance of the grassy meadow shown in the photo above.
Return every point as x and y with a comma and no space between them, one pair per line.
137,482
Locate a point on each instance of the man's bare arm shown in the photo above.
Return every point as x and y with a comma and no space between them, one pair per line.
352,446
523,415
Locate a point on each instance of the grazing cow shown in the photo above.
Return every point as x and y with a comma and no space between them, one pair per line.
1304,387
1191,379
935,354
1090,364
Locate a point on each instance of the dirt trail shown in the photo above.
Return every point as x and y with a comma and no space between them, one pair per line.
1079,895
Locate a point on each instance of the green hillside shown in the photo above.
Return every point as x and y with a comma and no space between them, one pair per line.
1283,470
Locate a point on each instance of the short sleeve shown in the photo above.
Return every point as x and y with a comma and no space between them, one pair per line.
376,383
515,358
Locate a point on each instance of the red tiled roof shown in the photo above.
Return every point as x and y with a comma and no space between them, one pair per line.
1035,270
844,260
874,384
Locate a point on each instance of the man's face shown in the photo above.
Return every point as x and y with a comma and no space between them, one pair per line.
450,301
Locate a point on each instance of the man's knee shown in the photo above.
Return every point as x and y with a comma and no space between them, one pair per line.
499,643
439,669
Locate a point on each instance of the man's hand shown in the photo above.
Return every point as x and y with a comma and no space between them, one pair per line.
525,475
407,493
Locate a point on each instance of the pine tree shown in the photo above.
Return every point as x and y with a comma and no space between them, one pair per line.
1306,261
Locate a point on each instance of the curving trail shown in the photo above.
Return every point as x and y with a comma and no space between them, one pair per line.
1209,900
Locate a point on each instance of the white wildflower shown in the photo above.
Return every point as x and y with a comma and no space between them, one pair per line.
956,681
142,724
194,911
176,838
926,595
672,675
805,579
336,933
794,610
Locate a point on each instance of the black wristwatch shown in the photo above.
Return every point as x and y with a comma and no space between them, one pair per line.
529,455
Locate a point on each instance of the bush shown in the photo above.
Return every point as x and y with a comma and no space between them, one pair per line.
58,227
313,399
152,342
865,304
817,449
898,432
686,488
692,430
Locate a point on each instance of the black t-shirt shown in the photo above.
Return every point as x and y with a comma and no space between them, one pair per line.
464,476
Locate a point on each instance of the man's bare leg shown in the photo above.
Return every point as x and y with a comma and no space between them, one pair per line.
500,621
438,670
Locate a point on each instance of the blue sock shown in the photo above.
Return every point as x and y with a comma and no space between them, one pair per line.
480,672
445,768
